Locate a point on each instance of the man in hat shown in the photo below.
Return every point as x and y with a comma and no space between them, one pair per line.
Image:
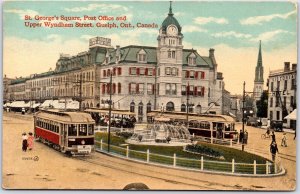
24,142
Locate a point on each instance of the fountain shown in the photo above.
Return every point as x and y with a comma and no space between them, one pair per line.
161,133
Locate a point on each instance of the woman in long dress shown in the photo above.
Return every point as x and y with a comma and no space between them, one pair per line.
30,141
24,142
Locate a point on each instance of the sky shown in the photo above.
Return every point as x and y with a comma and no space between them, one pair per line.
233,29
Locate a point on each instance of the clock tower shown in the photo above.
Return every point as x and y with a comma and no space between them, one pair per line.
169,62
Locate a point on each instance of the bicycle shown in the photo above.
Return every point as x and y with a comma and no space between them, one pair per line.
265,135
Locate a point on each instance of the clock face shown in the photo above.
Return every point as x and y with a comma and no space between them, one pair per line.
172,30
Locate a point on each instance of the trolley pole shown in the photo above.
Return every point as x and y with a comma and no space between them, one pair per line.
243,118
109,113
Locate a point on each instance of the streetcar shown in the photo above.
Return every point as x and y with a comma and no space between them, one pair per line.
119,118
204,125
68,132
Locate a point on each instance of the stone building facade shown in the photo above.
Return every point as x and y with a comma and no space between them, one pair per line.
282,93
144,78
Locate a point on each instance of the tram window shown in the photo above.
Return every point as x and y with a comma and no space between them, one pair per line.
82,129
72,130
91,130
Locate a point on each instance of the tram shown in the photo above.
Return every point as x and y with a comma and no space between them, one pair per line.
68,132
119,118
204,125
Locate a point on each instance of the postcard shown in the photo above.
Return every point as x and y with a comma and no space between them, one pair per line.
149,95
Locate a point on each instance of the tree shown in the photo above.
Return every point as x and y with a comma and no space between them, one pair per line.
262,105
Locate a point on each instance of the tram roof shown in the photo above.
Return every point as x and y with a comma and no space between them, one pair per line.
113,111
192,116
65,117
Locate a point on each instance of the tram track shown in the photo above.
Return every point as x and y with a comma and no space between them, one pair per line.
119,165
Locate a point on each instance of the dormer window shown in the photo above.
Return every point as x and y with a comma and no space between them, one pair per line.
107,58
192,59
142,56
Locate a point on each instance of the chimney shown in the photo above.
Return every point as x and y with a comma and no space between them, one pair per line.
294,66
211,52
118,53
286,66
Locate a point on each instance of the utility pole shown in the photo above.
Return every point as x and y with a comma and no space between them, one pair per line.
243,109
109,113
155,87
80,92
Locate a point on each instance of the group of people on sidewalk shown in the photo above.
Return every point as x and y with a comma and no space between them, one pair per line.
27,141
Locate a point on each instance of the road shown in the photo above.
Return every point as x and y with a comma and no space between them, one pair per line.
54,170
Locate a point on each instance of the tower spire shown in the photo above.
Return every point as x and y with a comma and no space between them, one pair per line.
259,59
170,9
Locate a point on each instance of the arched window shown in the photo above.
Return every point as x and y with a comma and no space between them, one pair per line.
132,105
170,106
192,59
183,108
140,111
83,106
148,107
87,105
91,105
119,88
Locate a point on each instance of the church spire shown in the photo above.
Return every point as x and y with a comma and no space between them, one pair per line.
259,70
170,9
259,59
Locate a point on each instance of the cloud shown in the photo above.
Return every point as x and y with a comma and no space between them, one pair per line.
259,20
22,57
231,34
100,7
206,20
191,28
22,13
269,36
86,37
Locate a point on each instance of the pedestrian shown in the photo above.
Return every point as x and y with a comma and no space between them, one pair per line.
24,142
246,137
241,136
30,141
273,150
273,136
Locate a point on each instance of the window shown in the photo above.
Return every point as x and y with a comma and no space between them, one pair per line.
293,86
132,88
183,90
191,90
285,84
82,130
119,70
140,111
132,105
114,88
174,71
150,72
170,106
142,57
192,60
72,130
108,73
174,89
90,129
276,102
168,89
132,70
148,107
183,108
277,115
142,71
278,85
292,101
271,102
119,88
272,86
208,92
173,54
169,54
192,74
140,89
150,89
168,71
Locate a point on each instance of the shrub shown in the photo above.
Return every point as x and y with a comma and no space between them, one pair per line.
203,150
124,134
